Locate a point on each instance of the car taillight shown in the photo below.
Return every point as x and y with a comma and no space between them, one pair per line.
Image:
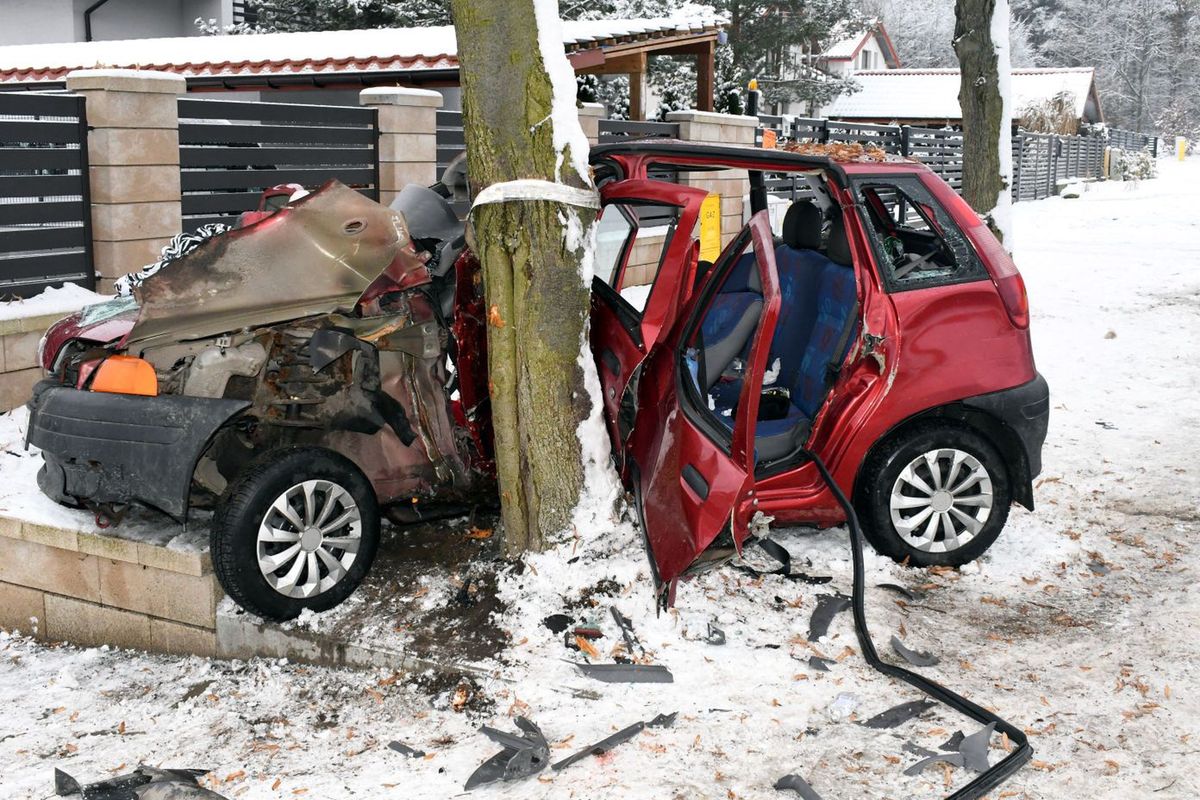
1008,280
125,375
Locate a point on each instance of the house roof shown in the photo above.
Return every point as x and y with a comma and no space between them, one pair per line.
848,48
932,94
318,53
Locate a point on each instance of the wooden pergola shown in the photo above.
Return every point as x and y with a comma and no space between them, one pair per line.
620,56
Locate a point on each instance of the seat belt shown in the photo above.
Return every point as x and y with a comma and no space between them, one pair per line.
834,368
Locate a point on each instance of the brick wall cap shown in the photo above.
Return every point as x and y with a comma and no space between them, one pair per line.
399,96
712,118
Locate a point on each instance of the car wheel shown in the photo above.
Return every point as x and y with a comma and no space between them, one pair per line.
297,529
937,494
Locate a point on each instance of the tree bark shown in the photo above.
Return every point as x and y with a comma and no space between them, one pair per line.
537,302
982,104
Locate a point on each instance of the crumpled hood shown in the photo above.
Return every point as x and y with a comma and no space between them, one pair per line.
316,256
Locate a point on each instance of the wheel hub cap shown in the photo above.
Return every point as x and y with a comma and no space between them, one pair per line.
309,538
941,500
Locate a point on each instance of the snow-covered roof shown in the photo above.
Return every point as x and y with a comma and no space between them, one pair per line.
315,53
846,48
932,94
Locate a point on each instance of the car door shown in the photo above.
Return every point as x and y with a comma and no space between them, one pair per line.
622,333
692,472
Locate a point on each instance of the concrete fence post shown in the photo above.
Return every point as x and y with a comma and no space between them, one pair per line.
407,136
133,152
590,115
732,185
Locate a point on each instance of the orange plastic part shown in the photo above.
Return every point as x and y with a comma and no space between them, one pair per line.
126,375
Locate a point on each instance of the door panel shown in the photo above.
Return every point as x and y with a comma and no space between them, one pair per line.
689,482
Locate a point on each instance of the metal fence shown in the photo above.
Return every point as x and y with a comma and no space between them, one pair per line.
45,213
1040,161
230,151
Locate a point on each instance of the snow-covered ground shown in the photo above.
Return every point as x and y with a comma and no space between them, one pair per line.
1082,625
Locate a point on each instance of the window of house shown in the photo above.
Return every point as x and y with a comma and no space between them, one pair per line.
916,242
867,59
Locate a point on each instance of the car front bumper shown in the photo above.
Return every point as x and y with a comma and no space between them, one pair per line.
115,448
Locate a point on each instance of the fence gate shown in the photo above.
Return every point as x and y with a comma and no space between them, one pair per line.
231,150
45,214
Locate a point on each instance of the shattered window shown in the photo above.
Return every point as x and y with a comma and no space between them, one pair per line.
916,242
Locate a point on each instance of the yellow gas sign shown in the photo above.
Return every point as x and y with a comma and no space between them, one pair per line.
710,228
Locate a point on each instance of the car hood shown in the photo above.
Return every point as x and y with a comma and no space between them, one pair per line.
316,256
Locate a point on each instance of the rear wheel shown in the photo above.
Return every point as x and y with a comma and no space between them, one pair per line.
937,494
297,529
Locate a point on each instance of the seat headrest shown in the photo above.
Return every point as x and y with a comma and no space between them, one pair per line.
802,226
838,249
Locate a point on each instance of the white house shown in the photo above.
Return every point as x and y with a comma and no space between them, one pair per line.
53,21
869,49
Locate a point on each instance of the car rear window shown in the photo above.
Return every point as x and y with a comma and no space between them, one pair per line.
917,243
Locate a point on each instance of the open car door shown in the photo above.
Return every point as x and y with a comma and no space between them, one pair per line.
630,317
694,469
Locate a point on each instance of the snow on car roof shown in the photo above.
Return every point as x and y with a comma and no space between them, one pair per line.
905,94
379,49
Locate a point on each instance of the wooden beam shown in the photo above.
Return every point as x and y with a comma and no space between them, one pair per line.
619,65
706,77
637,95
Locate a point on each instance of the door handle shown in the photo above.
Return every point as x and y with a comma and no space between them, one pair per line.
695,480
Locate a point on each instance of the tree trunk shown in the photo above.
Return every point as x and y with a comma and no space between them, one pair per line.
987,147
537,300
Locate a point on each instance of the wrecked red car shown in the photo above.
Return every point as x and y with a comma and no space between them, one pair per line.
328,360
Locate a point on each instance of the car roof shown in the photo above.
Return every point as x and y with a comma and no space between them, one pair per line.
702,154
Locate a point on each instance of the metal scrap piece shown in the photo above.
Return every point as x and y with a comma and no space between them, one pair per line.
405,750
797,785
524,754
626,673
828,607
949,758
914,657
974,748
897,715
626,626
904,591
716,636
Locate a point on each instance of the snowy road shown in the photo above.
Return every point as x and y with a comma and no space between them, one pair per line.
1082,625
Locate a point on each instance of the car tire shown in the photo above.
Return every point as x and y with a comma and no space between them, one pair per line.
929,476
298,529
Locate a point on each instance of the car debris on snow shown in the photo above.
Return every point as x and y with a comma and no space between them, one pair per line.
715,635
405,750
626,673
915,657
798,785
917,750
897,715
955,759
620,737
524,754
820,664
971,752
784,570
626,626
828,607
144,783
910,594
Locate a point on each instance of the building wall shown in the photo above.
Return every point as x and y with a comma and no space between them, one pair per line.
45,21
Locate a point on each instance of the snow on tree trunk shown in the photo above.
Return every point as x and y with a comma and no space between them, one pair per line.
981,42
521,123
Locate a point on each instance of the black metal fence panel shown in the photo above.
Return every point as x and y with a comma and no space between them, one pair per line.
231,150
45,207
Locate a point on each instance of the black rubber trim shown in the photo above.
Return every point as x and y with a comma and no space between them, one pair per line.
1026,410
1003,769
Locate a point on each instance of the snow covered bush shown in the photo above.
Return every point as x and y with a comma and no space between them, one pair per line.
1132,165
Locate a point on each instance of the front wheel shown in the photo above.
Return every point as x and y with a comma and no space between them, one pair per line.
297,529
936,495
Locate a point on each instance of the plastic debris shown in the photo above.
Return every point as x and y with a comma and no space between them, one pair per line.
797,785
974,748
843,706
626,673
914,657
405,750
897,715
626,626
132,785
953,743
557,623
820,664
780,554
620,737
904,591
524,754
917,750
828,607
716,636
948,758
175,790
